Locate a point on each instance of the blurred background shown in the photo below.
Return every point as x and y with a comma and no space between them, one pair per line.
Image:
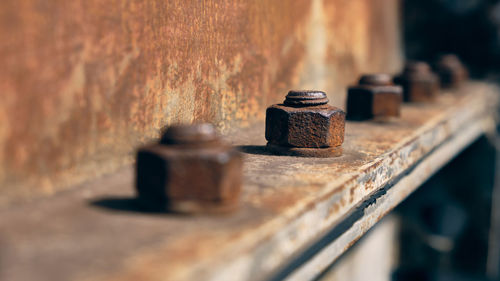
448,232
449,228
468,28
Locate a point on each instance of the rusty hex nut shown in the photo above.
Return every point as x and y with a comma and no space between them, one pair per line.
305,120
190,171
374,97
418,82
451,71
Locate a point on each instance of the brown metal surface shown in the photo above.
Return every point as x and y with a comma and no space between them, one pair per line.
85,82
305,120
190,171
418,82
305,98
451,71
374,97
95,232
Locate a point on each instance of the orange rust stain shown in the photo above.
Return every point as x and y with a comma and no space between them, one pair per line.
88,80
333,210
369,184
361,34
351,195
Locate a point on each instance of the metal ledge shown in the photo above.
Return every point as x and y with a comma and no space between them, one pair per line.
297,215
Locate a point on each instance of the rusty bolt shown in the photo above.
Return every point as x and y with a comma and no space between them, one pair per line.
451,71
418,82
191,170
374,97
305,125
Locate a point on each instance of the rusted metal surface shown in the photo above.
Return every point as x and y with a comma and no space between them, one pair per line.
85,82
452,73
305,125
95,233
418,82
374,97
398,191
190,171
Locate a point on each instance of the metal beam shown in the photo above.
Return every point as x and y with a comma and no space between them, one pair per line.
297,214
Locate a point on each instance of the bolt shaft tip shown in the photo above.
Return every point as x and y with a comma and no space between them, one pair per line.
189,134
305,98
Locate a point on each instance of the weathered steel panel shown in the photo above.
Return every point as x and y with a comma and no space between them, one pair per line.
84,82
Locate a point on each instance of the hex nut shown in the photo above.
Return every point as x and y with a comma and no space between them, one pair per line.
418,82
305,120
451,71
374,97
189,171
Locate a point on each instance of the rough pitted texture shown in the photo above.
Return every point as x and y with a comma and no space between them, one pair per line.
315,126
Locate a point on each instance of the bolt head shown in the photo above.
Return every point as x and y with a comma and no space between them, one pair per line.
451,71
307,127
374,100
188,179
418,82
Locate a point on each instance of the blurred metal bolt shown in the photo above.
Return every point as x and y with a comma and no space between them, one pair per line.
418,82
375,96
190,171
305,125
451,71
